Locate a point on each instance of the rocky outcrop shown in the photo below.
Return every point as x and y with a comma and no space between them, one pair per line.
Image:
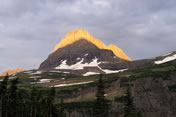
152,98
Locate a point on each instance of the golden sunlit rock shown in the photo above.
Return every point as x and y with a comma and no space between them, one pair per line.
78,34
12,71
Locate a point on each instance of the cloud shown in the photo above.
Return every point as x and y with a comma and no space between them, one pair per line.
29,30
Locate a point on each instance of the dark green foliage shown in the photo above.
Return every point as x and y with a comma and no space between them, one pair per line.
61,108
120,99
122,80
51,111
172,88
78,105
129,110
11,101
3,90
101,104
22,103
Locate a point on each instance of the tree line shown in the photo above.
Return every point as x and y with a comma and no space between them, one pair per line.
18,102
102,105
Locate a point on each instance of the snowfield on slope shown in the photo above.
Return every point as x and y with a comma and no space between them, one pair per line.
167,59
35,73
43,81
71,84
111,71
90,73
105,70
78,65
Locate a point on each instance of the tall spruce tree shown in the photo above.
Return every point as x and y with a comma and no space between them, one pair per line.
33,101
129,110
61,108
101,106
12,99
52,111
3,90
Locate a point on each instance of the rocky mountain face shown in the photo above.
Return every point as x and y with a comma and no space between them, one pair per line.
80,53
78,34
79,57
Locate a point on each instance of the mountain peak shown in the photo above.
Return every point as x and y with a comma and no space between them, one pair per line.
12,71
79,34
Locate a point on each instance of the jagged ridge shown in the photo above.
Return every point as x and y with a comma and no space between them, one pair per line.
78,34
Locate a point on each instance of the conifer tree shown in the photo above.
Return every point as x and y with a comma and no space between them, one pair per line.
33,99
3,90
129,110
61,108
12,99
52,111
101,104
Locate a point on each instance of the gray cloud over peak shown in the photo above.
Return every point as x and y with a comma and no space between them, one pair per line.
29,30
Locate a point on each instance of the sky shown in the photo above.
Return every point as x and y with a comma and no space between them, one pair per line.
30,29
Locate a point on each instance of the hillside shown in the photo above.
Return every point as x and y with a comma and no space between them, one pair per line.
73,70
153,86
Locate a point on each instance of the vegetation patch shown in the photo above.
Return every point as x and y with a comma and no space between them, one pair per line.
172,88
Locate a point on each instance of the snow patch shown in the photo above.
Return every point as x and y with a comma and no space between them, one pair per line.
27,72
113,71
86,54
71,84
90,73
43,81
37,72
167,59
78,65
35,77
104,70
55,71
78,58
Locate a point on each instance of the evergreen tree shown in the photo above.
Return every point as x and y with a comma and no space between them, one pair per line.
12,99
101,106
3,90
33,101
61,109
16,102
23,103
52,111
129,109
